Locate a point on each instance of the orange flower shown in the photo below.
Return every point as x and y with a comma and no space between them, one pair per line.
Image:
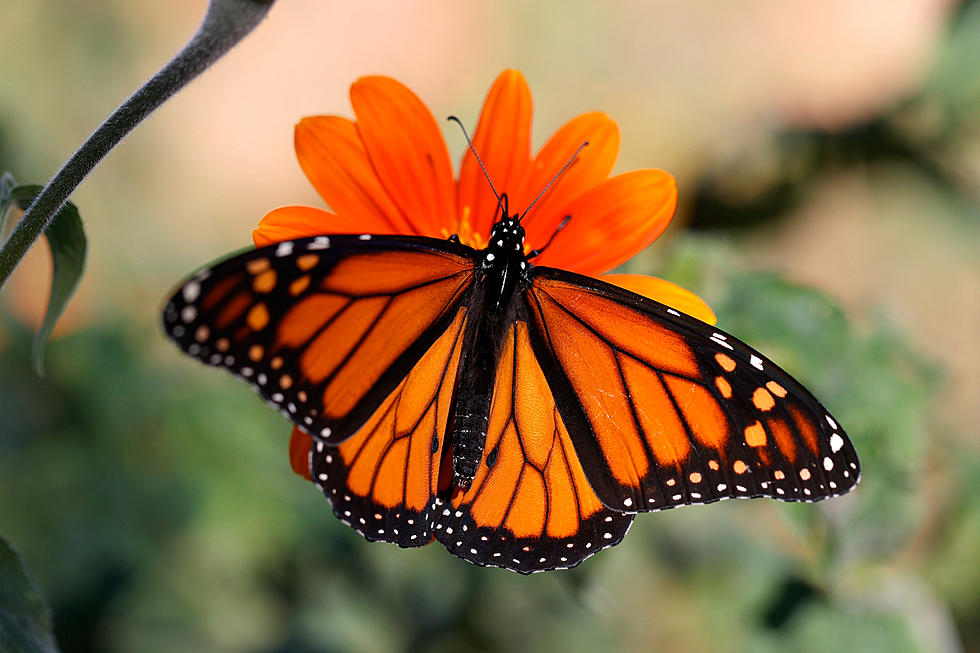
389,173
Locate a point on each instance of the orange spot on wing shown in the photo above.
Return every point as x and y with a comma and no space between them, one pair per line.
258,317
725,361
265,282
307,261
299,285
755,435
776,389
739,467
724,387
257,265
762,399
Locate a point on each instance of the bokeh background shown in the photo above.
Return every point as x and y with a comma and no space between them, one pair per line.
828,159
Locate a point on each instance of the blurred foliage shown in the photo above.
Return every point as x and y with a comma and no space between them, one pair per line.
922,132
68,246
25,623
153,501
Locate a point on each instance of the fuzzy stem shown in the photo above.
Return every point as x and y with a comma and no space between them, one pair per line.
225,24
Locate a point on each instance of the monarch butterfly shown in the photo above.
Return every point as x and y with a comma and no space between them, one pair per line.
519,414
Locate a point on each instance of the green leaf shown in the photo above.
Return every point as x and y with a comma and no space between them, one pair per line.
25,624
68,244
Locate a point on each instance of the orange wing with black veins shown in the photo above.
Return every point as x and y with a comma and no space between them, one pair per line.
530,507
665,410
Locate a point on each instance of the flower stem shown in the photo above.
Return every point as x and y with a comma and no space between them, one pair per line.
225,24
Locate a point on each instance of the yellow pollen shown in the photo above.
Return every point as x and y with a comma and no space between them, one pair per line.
465,233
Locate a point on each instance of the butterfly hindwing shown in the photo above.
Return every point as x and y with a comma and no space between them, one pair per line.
324,328
382,481
530,507
665,410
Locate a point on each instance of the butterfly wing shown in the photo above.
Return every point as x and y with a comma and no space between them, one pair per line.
323,328
529,507
382,481
664,410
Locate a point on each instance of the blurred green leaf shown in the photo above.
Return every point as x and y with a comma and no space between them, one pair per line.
25,625
66,238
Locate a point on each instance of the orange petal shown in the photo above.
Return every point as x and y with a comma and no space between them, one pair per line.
300,445
407,151
333,157
590,168
613,221
503,141
291,222
664,292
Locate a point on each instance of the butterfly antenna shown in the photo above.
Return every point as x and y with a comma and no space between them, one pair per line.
478,160
545,190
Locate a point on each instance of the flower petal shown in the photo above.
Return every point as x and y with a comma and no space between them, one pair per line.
613,221
407,151
664,292
590,168
300,445
332,155
291,222
503,141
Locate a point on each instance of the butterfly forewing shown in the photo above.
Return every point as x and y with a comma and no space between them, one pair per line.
323,328
665,410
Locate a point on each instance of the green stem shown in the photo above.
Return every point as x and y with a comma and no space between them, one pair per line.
224,25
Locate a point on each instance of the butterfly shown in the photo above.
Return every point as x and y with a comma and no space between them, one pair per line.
521,415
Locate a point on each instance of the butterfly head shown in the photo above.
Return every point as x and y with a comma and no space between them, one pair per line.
506,240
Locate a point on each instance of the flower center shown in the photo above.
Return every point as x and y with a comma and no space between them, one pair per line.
465,232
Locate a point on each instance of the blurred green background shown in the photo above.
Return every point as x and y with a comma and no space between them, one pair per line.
828,159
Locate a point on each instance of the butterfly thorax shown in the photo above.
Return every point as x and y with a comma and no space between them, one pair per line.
500,273
504,262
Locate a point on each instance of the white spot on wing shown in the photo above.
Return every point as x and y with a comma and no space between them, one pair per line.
191,291
836,442
756,362
284,249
